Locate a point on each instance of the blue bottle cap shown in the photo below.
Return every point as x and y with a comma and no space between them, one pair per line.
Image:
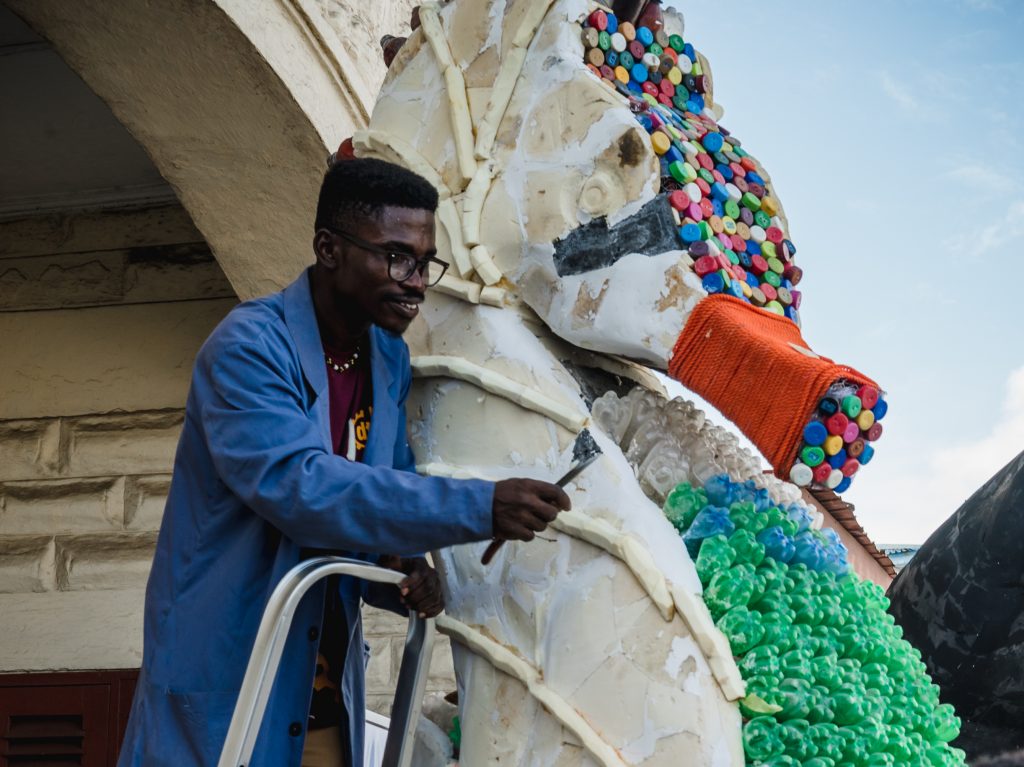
714,283
751,277
613,24
790,247
634,86
725,170
688,50
836,461
815,433
829,406
645,36
638,72
866,455
754,178
712,141
699,101
718,208
843,486
753,248
645,122
719,192
689,233
673,155
611,58
736,288
880,409
792,314
691,106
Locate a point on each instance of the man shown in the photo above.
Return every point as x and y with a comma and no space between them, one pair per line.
294,441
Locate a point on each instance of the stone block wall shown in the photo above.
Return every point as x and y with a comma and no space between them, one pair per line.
101,315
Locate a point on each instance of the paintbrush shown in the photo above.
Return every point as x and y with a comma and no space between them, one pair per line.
584,452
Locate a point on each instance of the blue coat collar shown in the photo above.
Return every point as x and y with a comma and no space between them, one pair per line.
300,318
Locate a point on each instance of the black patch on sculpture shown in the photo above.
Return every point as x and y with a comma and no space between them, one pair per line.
960,602
650,231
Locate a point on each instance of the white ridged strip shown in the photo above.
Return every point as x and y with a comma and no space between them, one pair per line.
500,385
455,84
509,663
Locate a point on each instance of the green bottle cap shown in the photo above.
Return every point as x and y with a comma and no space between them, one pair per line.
776,266
676,41
762,219
812,455
656,49
604,41
851,406
704,173
750,201
732,210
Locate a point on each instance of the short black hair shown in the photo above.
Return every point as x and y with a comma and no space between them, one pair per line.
365,186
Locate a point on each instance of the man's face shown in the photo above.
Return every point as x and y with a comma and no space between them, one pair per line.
363,289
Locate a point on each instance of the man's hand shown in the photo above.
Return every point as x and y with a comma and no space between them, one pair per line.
524,507
420,590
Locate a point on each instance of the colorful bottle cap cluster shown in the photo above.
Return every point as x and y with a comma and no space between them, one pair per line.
829,679
729,221
840,437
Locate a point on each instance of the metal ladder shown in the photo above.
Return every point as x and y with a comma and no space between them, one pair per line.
266,657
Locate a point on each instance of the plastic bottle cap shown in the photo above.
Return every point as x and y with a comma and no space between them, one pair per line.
757,234
595,57
690,233
613,22
773,232
828,406
758,297
865,419
822,472
868,396
775,307
855,448
651,61
834,478
850,467
660,142
768,250
685,64
843,486
604,41
851,432
812,455
589,37
815,433
750,201
881,408
836,424
866,455
874,432
676,42
728,226
801,475
769,205
785,297
598,19
772,278
645,36
628,31
836,461
619,42
713,283
832,444
762,219
851,405
621,74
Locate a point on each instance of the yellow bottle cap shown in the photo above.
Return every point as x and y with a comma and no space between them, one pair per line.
675,76
622,75
660,142
866,419
769,205
833,444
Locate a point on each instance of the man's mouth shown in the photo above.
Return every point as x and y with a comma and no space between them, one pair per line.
406,306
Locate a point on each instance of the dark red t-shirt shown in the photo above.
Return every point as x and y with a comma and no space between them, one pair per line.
350,395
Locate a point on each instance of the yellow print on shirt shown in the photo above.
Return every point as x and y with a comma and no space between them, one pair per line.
358,432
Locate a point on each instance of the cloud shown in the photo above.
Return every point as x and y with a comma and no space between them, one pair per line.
983,177
900,506
1002,232
898,92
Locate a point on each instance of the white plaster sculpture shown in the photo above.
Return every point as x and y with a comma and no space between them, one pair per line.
590,645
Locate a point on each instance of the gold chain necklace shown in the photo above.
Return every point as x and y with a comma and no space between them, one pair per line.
341,367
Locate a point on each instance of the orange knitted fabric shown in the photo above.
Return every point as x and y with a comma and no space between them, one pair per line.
745,361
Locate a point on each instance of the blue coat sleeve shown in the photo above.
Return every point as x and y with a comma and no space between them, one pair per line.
270,453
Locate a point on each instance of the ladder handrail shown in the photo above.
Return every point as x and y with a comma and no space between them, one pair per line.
269,646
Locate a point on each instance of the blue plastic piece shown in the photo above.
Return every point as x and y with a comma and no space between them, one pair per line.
638,73
645,36
689,233
815,433
777,544
791,314
712,141
735,289
710,521
613,25
719,490
790,246
752,280
880,409
673,155
753,248
717,207
719,192
836,461
713,283
754,178
809,551
611,58
688,51
691,106
645,122
843,486
726,171
867,455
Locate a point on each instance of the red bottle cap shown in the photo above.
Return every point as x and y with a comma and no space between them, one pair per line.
769,292
822,472
679,199
704,186
740,246
598,20
707,208
837,423
868,396
774,235
705,161
738,169
705,265
758,265
874,432
850,467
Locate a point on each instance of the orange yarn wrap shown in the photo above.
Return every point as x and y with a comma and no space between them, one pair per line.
745,361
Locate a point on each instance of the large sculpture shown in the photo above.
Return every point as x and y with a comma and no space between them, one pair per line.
959,600
575,270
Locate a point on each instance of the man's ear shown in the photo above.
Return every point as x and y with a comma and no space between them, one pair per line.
323,248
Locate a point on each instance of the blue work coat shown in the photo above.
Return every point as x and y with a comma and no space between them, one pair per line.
255,483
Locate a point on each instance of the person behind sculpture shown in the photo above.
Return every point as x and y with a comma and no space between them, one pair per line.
293,442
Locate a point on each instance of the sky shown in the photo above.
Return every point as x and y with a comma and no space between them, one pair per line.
893,133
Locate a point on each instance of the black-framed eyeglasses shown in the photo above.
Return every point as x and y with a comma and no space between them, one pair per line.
401,266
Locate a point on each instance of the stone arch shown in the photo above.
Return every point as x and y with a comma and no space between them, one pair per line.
237,104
